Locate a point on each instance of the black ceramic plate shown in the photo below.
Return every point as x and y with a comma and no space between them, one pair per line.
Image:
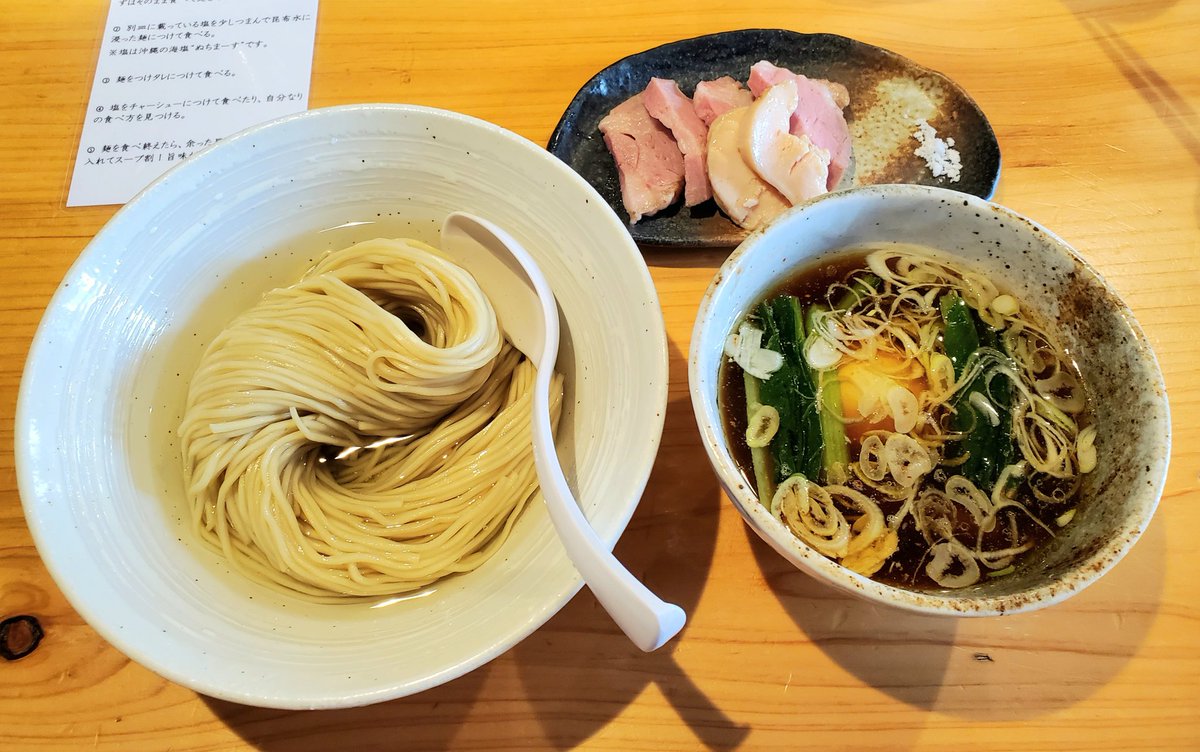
888,94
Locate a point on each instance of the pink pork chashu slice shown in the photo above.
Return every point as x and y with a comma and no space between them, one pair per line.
712,99
649,163
793,165
671,107
748,200
818,113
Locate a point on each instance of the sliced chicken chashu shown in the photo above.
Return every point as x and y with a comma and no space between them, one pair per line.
818,114
793,165
748,200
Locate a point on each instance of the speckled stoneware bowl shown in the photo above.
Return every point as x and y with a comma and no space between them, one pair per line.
1117,499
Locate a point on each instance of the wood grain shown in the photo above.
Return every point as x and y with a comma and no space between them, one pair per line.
1097,107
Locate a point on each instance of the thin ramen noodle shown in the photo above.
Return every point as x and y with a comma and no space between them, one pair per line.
363,432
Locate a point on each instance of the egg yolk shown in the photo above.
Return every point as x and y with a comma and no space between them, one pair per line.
864,389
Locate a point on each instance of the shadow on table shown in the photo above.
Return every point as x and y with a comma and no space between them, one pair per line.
1172,108
669,546
970,667
1120,10
429,721
573,676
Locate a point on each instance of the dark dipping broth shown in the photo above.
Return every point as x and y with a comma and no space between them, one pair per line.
985,470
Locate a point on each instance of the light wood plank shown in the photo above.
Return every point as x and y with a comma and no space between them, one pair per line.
1097,108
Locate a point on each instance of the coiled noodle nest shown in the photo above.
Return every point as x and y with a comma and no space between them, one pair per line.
363,432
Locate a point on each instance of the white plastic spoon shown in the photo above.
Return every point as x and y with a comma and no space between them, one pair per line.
528,315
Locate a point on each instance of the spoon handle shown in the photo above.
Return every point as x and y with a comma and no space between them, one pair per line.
644,617
505,268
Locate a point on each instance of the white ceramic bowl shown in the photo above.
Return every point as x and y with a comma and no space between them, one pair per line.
1133,445
98,464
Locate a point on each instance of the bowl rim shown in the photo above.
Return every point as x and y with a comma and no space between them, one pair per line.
59,562
826,570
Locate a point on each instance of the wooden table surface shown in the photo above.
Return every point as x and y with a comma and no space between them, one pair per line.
1096,104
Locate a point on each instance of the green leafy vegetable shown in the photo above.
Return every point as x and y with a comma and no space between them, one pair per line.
796,447
987,442
959,337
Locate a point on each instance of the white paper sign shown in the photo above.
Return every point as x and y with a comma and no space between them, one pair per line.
175,76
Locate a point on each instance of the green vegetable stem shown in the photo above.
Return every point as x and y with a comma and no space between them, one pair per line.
836,452
759,457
